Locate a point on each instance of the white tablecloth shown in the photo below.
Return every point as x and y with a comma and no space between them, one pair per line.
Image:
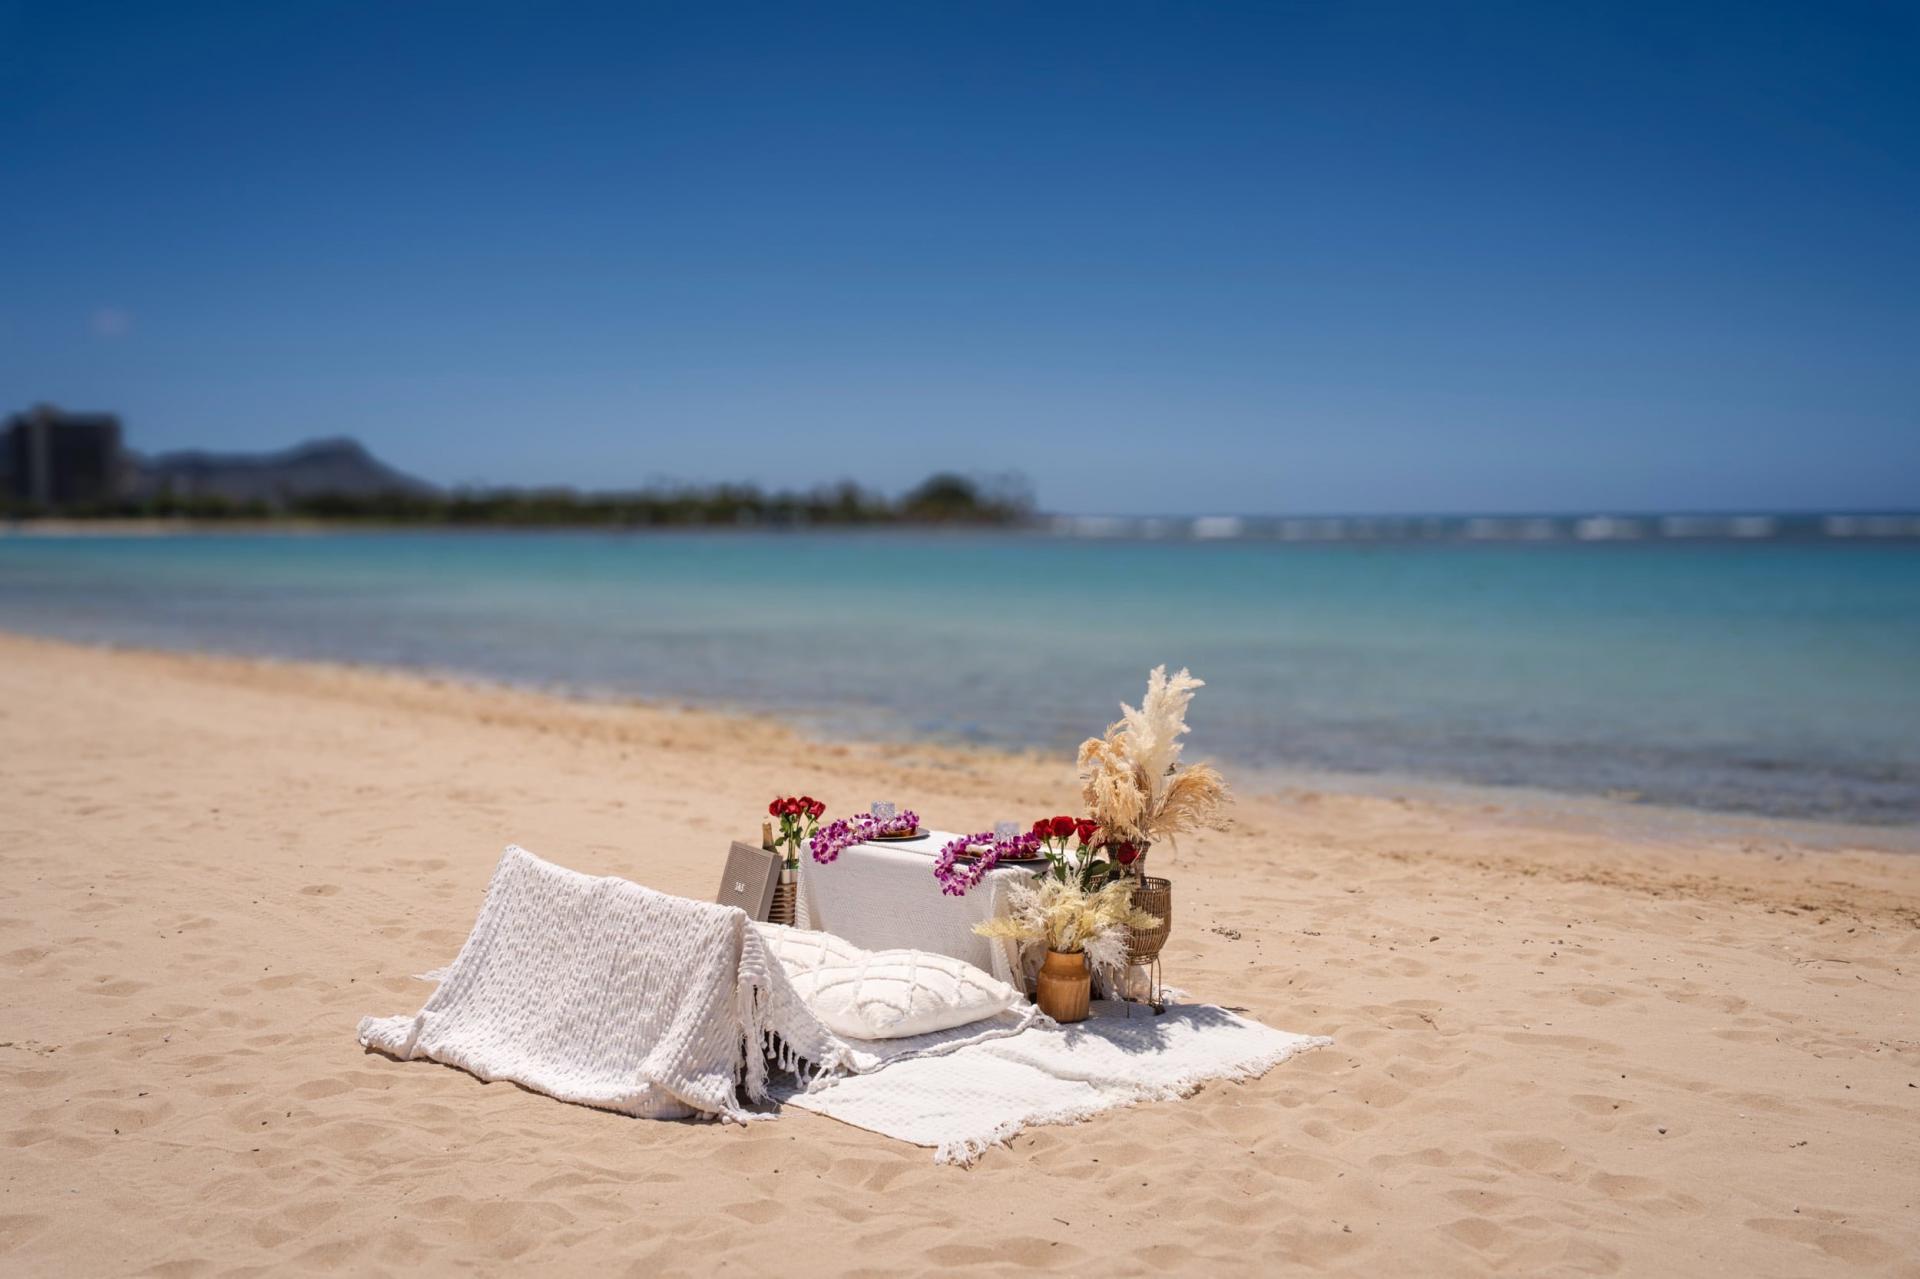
884,896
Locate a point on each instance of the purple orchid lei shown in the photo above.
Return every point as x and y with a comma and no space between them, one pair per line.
837,836
955,879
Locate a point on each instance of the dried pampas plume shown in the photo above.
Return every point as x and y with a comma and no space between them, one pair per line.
1131,779
1113,794
1194,799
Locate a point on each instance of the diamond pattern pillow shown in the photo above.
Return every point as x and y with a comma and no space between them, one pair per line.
884,994
802,950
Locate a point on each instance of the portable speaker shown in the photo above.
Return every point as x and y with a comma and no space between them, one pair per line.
751,877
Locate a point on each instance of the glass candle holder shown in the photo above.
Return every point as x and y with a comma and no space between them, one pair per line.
1006,830
883,811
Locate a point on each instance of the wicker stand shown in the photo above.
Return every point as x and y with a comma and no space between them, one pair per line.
784,898
1155,896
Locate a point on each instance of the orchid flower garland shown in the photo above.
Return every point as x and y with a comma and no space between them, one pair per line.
956,879
837,836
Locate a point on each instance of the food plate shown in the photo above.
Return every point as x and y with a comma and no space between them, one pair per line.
908,837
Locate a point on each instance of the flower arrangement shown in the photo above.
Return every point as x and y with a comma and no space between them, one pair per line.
839,835
955,878
797,815
1055,833
1076,852
1072,919
1132,779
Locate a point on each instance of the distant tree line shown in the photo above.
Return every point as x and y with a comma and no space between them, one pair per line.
945,498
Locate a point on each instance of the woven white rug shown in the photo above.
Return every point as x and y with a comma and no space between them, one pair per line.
985,1093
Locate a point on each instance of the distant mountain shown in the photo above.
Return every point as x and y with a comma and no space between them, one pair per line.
319,468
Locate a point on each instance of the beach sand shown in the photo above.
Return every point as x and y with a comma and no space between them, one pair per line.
1560,1048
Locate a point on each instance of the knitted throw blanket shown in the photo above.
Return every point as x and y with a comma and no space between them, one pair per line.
597,991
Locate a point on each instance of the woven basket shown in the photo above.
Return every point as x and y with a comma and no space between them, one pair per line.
784,898
1155,896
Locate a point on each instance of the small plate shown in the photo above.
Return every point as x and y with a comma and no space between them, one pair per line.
971,856
906,838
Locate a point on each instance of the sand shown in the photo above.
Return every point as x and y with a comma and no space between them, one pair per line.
1560,1048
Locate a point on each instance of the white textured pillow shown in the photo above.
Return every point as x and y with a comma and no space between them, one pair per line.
802,950
883,994
890,994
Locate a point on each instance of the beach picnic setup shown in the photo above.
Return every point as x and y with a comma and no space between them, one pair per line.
945,989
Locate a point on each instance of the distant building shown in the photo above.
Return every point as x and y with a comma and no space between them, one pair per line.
56,459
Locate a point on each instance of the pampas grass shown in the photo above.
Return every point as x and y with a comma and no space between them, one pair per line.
1072,919
1132,779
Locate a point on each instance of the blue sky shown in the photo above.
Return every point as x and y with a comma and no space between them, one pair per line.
1182,257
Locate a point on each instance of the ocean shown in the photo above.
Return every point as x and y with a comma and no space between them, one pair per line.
1773,677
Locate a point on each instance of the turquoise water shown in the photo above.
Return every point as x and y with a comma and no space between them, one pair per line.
1773,678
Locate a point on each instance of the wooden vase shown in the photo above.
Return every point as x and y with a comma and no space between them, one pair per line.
1064,986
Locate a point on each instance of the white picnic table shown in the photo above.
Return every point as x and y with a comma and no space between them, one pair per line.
884,897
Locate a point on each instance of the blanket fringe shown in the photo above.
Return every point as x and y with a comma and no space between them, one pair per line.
807,1072
750,1003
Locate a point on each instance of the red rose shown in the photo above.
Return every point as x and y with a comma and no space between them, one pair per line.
774,809
1063,827
1126,854
1043,829
816,810
1085,829
806,801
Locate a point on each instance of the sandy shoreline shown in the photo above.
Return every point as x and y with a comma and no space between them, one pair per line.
1558,1048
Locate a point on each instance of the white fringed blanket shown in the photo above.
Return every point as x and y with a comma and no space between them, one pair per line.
597,991
986,1093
